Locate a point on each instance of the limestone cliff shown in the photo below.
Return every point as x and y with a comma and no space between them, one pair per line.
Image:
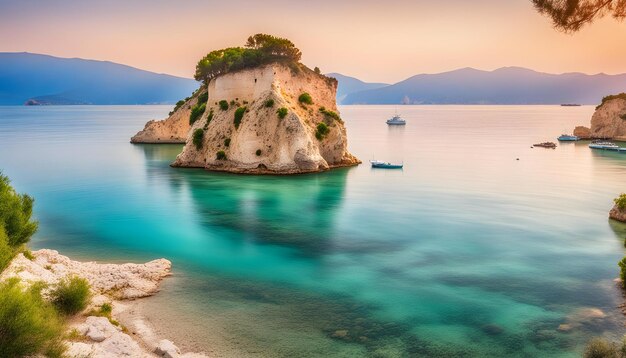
173,129
241,130
618,213
608,121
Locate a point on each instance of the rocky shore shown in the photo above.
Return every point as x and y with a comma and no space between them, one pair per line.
90,334
618,214
608,121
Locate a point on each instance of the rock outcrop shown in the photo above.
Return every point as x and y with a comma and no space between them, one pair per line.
173,129
125,281
608,121
309,137
618,213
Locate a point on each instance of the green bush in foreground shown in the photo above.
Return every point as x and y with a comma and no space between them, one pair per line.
198,137
224,105
282,112
239,116
269,103
196,112
221,155
305,98
621,201
15,214
322,131
28,324
71,295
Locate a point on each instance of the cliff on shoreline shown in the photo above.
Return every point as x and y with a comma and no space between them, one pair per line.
173,129
91,334
308,136
608,121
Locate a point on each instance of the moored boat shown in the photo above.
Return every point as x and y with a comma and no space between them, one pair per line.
605,145
545,145
396,121
568,138
385,165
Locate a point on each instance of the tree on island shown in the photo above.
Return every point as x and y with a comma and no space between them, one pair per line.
571,15
260,49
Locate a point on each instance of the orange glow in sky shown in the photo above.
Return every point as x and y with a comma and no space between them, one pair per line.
381,41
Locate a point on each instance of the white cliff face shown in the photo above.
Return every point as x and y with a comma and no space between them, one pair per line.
173,129
263,142
608,121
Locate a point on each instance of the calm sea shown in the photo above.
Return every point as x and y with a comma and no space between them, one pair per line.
467,251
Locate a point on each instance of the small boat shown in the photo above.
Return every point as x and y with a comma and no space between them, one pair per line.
604,145
570,105
385,165
545,145
568,138
396,121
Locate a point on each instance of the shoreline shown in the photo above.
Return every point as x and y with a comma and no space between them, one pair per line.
120,285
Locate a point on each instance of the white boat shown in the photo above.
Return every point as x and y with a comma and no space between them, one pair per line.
385,165
597,144
396,121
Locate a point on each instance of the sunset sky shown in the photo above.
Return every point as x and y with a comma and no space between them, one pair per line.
382,41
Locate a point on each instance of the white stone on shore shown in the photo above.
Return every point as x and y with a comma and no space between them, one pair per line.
124,281
167,349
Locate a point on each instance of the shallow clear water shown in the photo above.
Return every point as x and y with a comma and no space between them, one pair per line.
465,252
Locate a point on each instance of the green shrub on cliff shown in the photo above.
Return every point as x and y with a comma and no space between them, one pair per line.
330,114
322,131
239,116
203,98
611,97
71,295
259,50
198,137
269,103
196,112
221,155
227,142
620,201
28,325
603,348
6,252
305,98
282,112
224,105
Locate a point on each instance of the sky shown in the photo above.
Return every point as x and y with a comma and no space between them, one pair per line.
373,40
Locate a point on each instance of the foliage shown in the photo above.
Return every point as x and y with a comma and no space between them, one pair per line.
71,295
269,103
330,114
622,273
6,252
260,49
317,70
178,105
305,98
209,118
322,131
620,201
196,112
28,324
204,97
224,105
282,112
602,348
28,254
221,155
571,15
15,214
258,152
239,116
611,97
227,142
197,138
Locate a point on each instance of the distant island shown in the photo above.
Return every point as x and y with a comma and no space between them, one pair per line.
258,111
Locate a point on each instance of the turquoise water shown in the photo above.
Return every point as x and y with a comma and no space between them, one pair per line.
465,252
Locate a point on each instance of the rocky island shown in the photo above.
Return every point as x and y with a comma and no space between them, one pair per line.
258,111
619,209
608,121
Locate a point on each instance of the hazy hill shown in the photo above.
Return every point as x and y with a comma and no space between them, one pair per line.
349,85
52,80
507,85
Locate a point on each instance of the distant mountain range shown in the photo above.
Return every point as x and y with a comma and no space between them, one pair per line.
27,78
349,85
507,85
